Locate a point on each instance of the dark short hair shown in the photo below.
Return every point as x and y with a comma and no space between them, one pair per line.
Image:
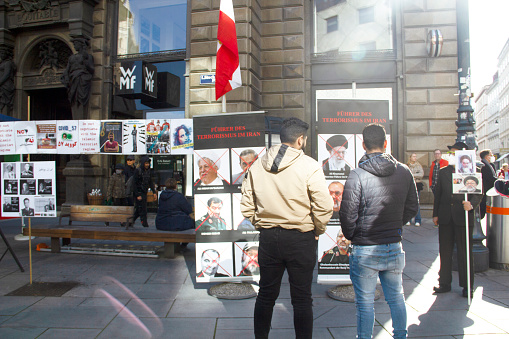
484,153
214,200
374,136
471,178
26,200
246,152
213,250
292,129
170,183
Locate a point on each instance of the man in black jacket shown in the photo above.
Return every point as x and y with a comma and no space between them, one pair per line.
489,176
449,213
142,182
379,198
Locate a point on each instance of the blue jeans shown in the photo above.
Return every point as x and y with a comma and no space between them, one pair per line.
418,215
367,263
294,251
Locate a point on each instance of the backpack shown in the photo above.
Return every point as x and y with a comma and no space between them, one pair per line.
129,186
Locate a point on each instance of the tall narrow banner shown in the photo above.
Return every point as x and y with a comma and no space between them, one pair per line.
182,136
134,136
227,58
28,189
89,136
46,136
25,133
340,125
7,139
68,137
225,146
110,137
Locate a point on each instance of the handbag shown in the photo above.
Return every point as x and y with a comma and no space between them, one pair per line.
420,186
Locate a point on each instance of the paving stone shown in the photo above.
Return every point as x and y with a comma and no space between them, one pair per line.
14,305
21,333
65,333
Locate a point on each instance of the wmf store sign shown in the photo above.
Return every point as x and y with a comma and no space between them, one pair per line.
137,80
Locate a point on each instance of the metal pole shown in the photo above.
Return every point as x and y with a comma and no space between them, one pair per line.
468,253
223,102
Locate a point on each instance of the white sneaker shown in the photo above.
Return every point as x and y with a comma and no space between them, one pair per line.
407,224
417,224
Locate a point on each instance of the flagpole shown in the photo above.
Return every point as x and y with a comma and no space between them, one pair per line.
223,104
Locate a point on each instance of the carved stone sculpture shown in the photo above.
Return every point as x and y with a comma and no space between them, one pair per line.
7,72
77,78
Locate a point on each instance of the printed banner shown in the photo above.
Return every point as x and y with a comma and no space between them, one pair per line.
89,136
225,146
46,136
158,136
182,136
29,189
134,136
111,136
25,137
340,125
68,137
7,140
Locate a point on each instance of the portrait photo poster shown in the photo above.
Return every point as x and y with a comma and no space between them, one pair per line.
35,193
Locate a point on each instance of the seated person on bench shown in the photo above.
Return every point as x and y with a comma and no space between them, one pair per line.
174,210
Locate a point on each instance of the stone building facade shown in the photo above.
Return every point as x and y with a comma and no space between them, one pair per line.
286,60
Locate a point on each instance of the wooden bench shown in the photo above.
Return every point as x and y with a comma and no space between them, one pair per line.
106,214
170,239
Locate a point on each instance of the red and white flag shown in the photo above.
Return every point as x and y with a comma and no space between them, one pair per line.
227,58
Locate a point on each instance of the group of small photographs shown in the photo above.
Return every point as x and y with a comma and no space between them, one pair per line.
226,260
336,189
333,251
158,136
212,167
10,205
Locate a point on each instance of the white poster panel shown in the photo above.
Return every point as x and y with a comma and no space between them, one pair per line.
134,136
214,260
25,137
7,142
29,189
467,183
182,136
46,137
89,136
158,136
465,162
68,137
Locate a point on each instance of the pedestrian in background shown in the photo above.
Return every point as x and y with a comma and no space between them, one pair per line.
436,165
142,184
129,169
285,197
379,198
418,173
504,172
116,187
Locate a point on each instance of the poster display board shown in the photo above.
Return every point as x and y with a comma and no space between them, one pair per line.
182,136
89,136
68,137
110,137
134,136
25,133
224,147
46,136
466,179
7,139
28,189
340,125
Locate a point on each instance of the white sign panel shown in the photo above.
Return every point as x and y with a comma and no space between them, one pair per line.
89,136
7,142
28,189
182,136
134,136
25,137
68,137
46,136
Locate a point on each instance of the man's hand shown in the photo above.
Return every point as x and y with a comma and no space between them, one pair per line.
138,198
316,237
435,221
467,206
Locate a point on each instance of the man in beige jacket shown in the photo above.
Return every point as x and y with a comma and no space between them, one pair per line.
285,197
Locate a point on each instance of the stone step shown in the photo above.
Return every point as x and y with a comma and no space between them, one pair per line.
426,211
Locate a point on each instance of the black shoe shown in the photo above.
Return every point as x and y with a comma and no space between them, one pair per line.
465,292
145,224
441,289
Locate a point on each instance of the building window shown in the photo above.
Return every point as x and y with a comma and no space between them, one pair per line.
366,15
146,26
348,31
332,24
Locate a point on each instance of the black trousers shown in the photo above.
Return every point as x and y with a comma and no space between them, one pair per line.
140,208
294,251
448,235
